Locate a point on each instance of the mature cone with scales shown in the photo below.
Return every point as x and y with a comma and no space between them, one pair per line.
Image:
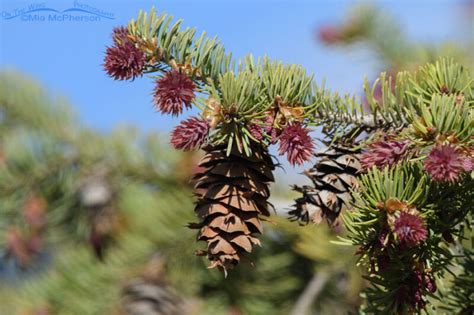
151,294
149,297
333,176
232,196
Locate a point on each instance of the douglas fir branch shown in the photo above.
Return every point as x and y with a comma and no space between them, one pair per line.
393,175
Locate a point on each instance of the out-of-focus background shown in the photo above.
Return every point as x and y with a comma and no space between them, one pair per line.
93,201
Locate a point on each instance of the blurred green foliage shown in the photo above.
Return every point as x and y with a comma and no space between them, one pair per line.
47,153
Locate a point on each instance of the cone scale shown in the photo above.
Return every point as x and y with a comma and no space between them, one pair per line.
232,198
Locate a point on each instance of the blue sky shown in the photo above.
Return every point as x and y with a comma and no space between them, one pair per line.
67,56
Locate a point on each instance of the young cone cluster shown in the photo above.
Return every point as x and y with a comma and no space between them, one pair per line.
333,176
232,196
